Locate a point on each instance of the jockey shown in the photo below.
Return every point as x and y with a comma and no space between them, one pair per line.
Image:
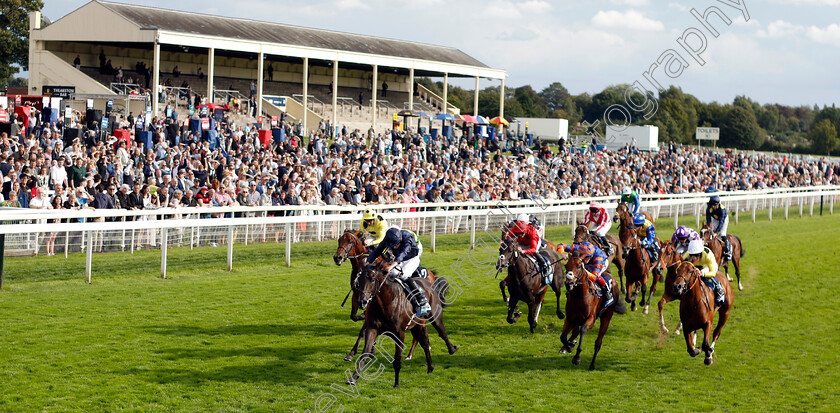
374,225
717,217
407,249
529,242
705,261
598,223
629,196
647,234
684,238
595,261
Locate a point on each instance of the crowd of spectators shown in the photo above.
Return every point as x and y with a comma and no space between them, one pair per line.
328,167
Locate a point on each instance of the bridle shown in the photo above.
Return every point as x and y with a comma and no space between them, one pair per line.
691,280
576,277
346,248
377,285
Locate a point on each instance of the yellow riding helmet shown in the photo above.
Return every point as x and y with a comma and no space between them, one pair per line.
368,214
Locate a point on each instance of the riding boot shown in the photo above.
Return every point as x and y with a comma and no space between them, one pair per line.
606,288
654,253
417,297
605,243
545,269
727,248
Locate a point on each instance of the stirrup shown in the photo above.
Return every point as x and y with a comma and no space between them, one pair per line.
422,311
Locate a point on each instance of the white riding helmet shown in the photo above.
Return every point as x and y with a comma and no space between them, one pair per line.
522,218
626,191
695,247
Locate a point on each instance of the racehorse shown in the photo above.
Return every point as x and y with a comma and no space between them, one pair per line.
582,308
389,310
668,260
582,235
637,263
697,308
351,247
524,282
622,208
716,245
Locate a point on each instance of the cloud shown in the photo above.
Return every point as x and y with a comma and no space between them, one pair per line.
630,19
739,21
829,35
502,9
633,3
534,6
811,2
780,28
519,35
351,5
678,6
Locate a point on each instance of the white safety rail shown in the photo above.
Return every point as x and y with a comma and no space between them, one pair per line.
28,231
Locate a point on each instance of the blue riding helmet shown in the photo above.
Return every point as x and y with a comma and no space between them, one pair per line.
714,198
392,237
638,219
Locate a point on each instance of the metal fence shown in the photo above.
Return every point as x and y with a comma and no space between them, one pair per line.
40,232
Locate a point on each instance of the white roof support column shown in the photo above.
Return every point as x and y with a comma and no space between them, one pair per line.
260,64
335,94
305,93
411,89
155,78
211,64
445,92
502,100
374,84
475,99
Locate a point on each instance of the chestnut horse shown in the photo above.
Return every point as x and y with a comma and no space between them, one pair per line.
524,282
716,245
388,310
582,235
582,308
622,207
637,263
697,308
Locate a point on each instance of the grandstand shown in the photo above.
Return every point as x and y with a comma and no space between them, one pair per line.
321,70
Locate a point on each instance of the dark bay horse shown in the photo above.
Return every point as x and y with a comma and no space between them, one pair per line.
582,309
389,311
668,260
582,235
697,308
352,248
637,263
524,282
716,245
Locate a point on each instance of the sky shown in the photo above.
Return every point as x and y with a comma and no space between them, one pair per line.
778,51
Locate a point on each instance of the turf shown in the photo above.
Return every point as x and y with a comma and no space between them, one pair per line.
269,338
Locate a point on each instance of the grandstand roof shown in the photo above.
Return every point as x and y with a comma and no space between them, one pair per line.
235,28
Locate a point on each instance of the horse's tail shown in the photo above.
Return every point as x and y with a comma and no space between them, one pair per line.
620,306
741,244
441,286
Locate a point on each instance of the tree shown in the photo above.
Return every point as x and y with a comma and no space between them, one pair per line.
555,96
14,35
823,137
740,129
532,103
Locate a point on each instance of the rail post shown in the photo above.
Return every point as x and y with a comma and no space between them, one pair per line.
800,206
89,256
434,230
755,206
289,237
787,205
231,234
164,249
2,254
472,231
811,213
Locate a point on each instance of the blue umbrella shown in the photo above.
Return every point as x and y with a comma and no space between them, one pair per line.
423,115
481,120
444,116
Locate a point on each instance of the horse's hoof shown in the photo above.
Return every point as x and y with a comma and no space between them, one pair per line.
633,307
591,367
560,315
665,331
454,349
348,358
563,350
645,310
576,360
430,370
396,386
351,382
708,361
728,277
677,332
409,357
740,287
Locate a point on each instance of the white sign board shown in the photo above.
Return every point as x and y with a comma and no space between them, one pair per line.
708,134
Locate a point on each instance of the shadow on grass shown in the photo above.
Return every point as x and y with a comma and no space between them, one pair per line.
279,330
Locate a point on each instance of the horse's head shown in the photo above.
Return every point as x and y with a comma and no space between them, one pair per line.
369,282
686,276
668,255
575,272
348,242
581,234
507,254
706,234
627,236
620,210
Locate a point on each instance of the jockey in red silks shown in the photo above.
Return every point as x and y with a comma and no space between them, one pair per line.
529,242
